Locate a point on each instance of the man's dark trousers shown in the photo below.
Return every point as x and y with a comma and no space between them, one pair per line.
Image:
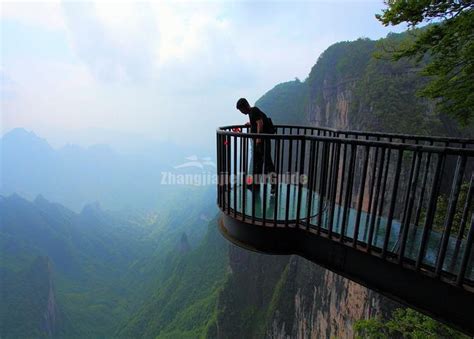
262,158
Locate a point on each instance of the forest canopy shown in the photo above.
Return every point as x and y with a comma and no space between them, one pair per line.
447,43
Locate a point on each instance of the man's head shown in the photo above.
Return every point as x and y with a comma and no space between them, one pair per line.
243,106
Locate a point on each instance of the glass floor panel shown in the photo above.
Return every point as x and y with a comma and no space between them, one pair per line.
288,196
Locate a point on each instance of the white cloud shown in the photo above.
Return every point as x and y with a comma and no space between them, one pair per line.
185,28
45,14
167,69
117,41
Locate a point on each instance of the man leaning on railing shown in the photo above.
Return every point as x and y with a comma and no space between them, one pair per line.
262,158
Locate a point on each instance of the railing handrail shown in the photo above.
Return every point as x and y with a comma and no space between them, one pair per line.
357,182
373,134
448,150
389,135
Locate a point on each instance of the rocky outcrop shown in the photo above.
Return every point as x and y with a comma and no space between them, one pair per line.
182,245
42,295
333,109
248,292
290,297
50,314
323,304
28,298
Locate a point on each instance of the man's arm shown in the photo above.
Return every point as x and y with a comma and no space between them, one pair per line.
259,125
259,129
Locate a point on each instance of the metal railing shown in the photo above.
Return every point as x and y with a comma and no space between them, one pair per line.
406,199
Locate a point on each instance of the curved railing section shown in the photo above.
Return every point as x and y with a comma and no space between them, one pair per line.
406,199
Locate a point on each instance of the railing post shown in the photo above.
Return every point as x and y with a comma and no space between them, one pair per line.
408,209
244,177
218,152
333,187
393,200
376,197
467,207
234,179
278,175
361,195
453,200
371,193
241,175
467,253
423,188
228,183
253,184
348,195
322,183
311,178
265,178
382,199
288,185
341,183
431,209
300,184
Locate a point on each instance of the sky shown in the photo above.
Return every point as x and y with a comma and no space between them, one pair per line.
110,71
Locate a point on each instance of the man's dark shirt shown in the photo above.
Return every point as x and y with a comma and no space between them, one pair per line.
255,115
262,158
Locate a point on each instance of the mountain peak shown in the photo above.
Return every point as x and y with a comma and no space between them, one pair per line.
19,140
16,197
20,133
93,207
93,211
183,245
40,199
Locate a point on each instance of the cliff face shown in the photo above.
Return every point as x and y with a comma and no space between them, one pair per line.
333,111
28,298
40,288
333,83
50,314
355,86
290,297
322,304
347,89
252,283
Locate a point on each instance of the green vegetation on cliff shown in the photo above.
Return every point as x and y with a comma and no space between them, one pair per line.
95,268
28,302
355,85
450,44
286,102
184,304
404,323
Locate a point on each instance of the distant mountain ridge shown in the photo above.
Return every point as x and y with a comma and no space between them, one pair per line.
76,176
29,306
92,268
74,255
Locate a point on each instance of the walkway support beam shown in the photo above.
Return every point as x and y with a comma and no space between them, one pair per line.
393,212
